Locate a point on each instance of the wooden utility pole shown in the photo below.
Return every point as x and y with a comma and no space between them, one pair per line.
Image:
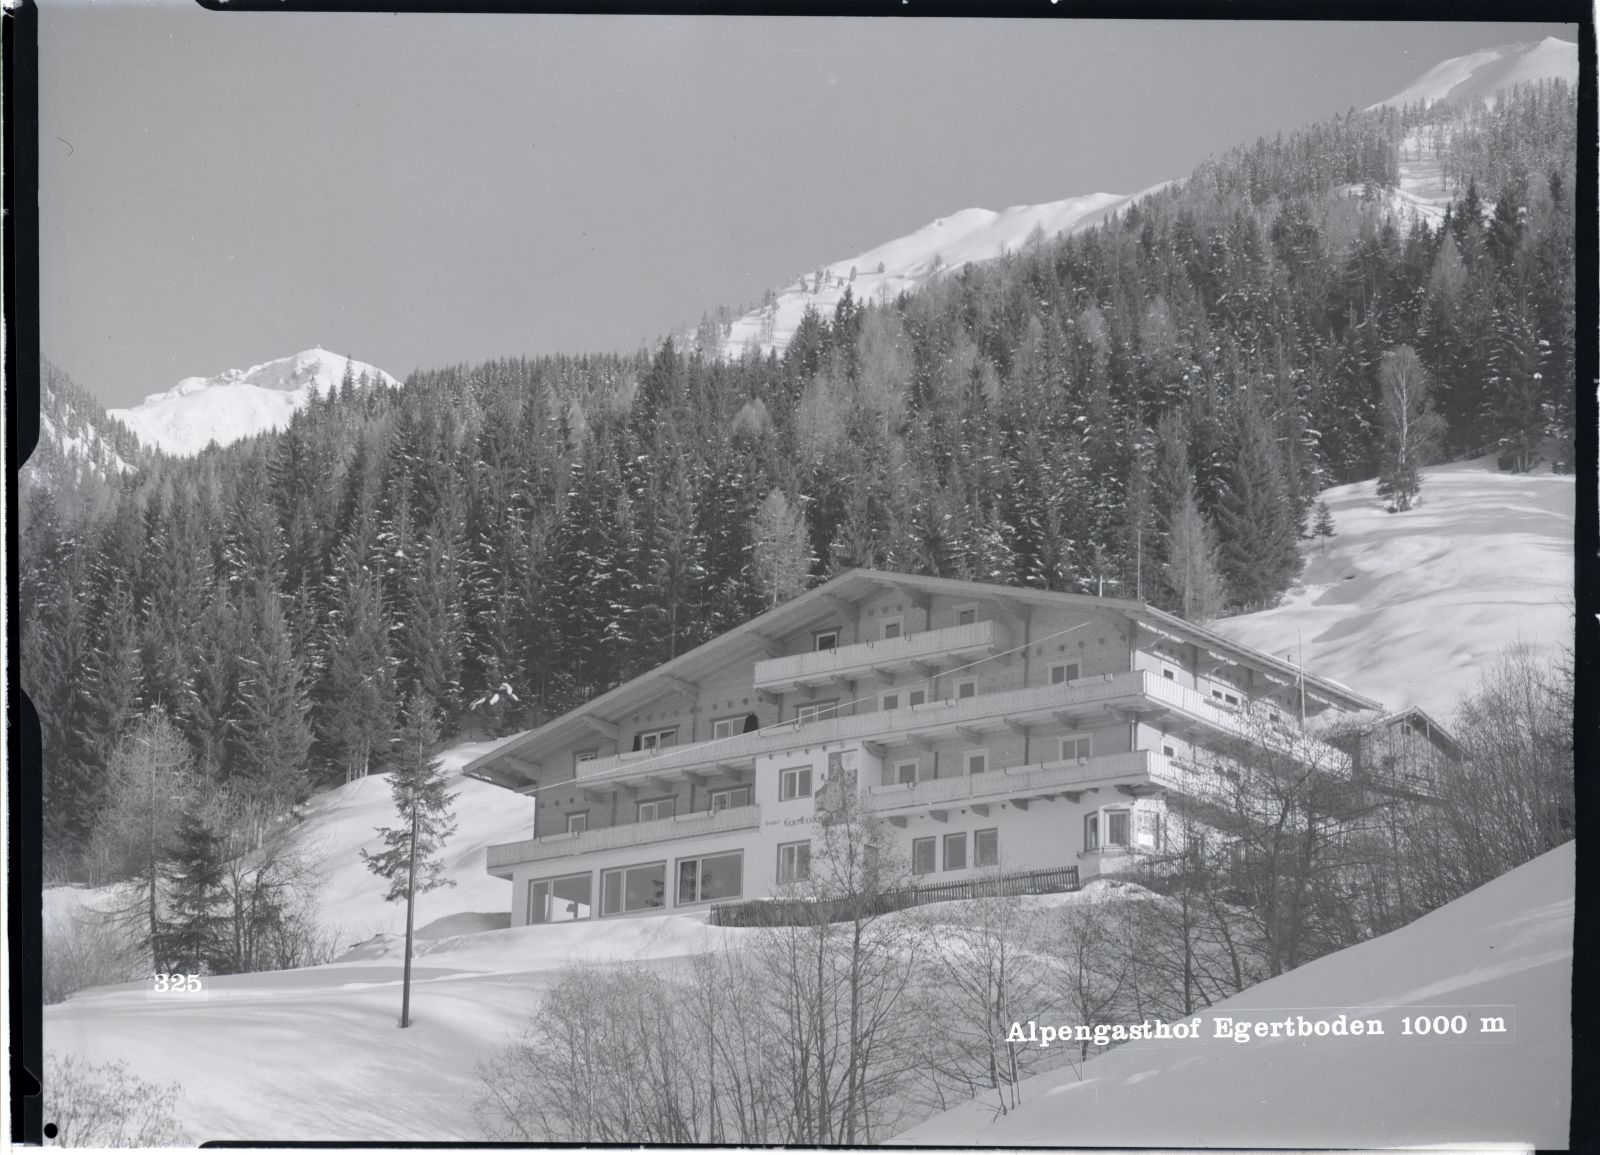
411,906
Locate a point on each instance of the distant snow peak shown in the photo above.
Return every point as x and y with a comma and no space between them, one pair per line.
239,403
1477,76
907,263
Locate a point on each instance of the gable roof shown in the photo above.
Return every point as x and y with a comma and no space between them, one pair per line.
820,605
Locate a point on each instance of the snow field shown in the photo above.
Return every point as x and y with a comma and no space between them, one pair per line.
1505,949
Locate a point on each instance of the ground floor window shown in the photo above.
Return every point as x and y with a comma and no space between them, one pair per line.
1147,829
710,878
630,888
986,847
922,850
1107,829
955,851
564,899
794,862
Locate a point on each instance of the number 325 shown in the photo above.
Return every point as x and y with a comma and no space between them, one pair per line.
177,983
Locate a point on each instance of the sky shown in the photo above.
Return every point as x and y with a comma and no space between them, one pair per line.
220,189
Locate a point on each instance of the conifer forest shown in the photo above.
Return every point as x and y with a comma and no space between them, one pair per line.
1147,409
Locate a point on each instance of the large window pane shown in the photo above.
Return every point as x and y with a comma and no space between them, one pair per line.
564,899
645,887
721,876
633,888
986,847
710,879
955,851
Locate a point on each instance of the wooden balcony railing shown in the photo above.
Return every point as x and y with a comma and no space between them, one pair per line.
951,644
628,834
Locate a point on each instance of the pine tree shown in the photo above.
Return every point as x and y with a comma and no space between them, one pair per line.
1324,524
272,735
192,937
417,784
356,722
1258,538
1192,570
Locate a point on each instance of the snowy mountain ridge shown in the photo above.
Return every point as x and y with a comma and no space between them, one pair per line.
883,272
239,403
1477,76
975,235
77,437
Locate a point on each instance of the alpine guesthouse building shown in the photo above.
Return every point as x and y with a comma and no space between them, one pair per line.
993,728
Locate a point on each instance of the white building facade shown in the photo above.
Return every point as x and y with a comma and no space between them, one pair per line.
993,728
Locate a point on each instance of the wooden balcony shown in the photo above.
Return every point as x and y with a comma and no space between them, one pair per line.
1138,770
692,825
1133,696
919,654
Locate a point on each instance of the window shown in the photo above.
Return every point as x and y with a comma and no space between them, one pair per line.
816,711
825,640
583,756
1115,829
1147,829
986,847
967,615
578,823
710,878
905,771
1077,748
727,727
657,808
893,628
1226,698
898,699
1168,674
967,688
564,899
1169,751
733,796
630,888
658,739
976,761
955,851
794,783
1063,672
922,855
794,861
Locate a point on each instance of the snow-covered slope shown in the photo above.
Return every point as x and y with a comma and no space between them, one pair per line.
1411,608
1479,75
1505,949
908,262
239,403
76,435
